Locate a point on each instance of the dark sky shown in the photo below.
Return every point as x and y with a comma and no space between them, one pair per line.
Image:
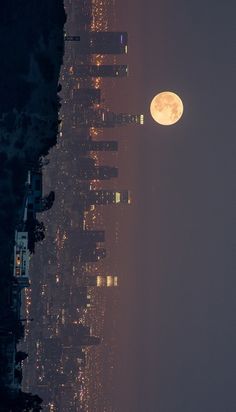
178,314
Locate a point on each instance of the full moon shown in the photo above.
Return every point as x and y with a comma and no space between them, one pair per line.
166,108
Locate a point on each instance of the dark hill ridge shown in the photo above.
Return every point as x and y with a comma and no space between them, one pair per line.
23,25
32,47
31,44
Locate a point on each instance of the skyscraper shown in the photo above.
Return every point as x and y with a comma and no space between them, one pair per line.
87,96
105,197
97,146
101,281
82,297
101,42
92,117
92,236
81,333
89,340
91,254
92,172
117,70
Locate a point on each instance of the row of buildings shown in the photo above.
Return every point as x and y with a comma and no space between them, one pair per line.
71,360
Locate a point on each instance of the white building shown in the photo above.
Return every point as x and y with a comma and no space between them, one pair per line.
21,258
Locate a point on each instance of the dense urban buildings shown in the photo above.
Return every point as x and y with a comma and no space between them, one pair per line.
98,42
74,274
105,70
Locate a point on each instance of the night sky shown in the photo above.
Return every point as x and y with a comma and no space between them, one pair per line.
178,283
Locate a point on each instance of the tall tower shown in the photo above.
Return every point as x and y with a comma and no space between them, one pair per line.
106,197
86,162
91,254
105,118
87,96
81,298
101,42
117,70
92,236
79,333
84,336
92,172
106,281
97,146
89,340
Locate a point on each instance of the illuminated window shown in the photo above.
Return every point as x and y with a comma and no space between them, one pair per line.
118,197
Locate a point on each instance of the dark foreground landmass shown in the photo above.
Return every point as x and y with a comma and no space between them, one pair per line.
32,46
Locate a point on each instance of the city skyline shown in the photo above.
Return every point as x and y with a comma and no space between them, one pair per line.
167,333
77,260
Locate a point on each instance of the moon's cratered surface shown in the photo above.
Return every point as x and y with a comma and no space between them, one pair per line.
166,108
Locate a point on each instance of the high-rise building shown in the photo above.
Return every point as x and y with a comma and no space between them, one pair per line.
101,281
89,340
87,96
105,197
85,163
84,336
70,353
81,8
81,333
97,146
91,254
92,236
78,298
105,118
92,172
116,70
82,297
105,172
101,42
